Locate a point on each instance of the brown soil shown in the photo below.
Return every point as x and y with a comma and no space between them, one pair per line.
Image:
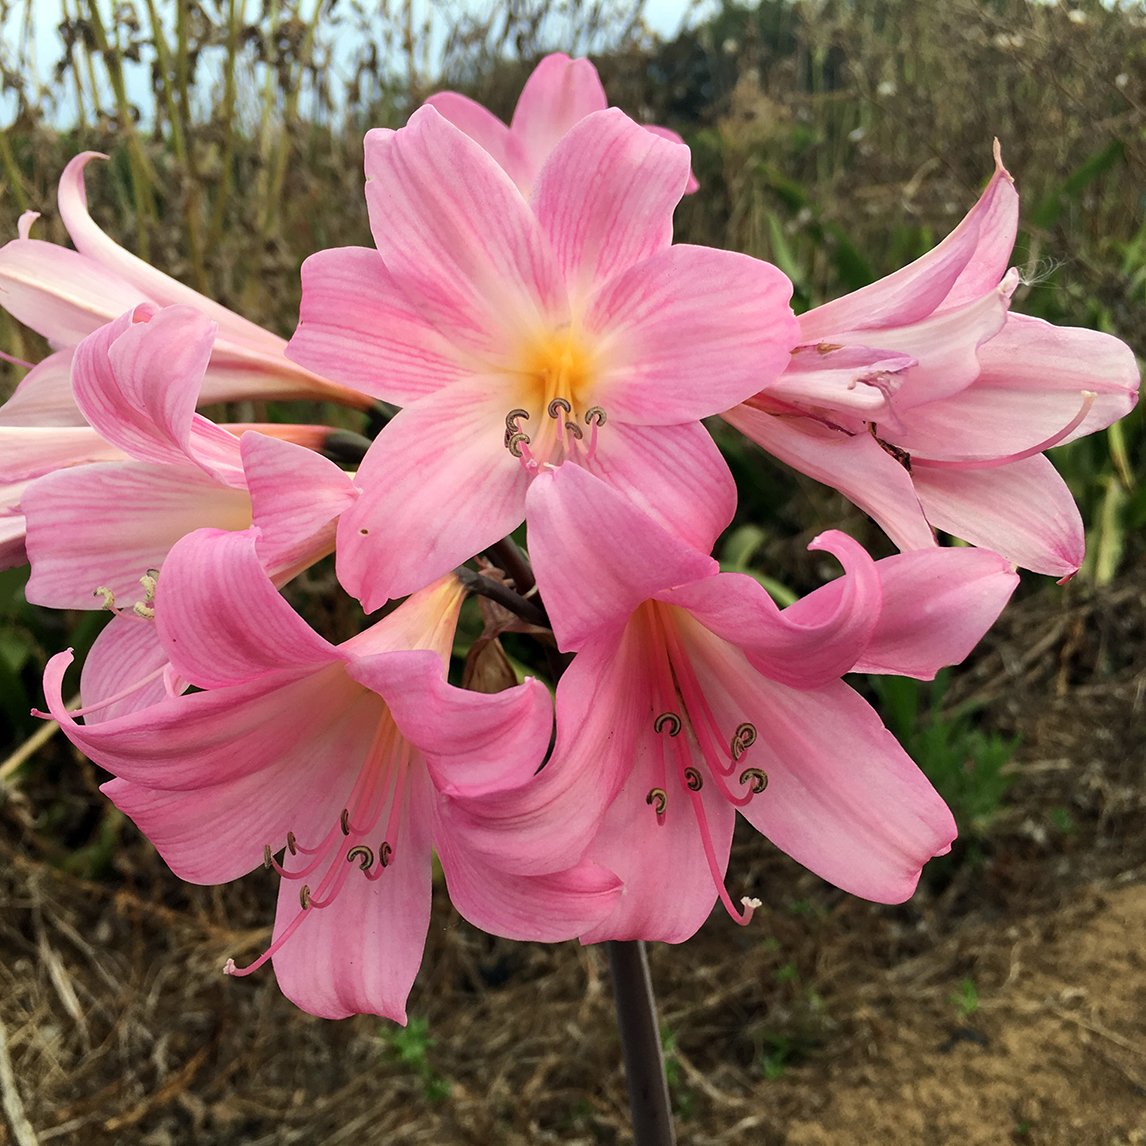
1005,1003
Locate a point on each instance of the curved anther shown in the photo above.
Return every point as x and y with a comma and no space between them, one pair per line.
512,417
693,780
742,739
595,416
106,596
558,404
385,854
515,442
304,896
268,861
657,799
669,720
292,844
344,821
757,777
574,429
363,854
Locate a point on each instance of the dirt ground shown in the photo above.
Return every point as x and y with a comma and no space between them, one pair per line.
1005,1003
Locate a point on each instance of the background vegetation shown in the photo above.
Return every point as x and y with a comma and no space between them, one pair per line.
837,139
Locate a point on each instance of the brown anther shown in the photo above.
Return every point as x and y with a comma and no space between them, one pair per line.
657,799
742,739
511,420
363,854
558,404
669,720
292,843
304,896
515,442
385,854
267,861
595,416
756,777
693,780
344,821
575,430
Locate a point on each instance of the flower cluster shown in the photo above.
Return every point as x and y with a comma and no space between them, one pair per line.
552,353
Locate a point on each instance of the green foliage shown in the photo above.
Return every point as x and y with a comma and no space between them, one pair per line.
965,762
410,1046
965,999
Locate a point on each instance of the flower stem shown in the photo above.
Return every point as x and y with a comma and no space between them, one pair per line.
641,1044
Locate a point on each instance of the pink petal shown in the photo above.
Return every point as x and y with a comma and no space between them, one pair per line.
44,395
937,604
296,498
446,450
28,451
485,129
675,137
459,239
152,284
360,955
967,264
356,325
606,195
668,889
137,381
426,620
690,332
59,293
107,524
559,92
1022,510
675,474
856,465
474,743
1033,382
852,380
842,797
127,651
813,641
221,619
587,580
535,908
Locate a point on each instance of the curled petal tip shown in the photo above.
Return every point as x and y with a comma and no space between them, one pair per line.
997,151
229,967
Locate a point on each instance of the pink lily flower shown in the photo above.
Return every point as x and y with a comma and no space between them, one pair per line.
94,529
927,404
700,700
64,295
350,760
559,93
520,335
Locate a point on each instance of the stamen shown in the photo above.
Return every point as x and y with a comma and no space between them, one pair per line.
757,777
107,596
558,404
574,429
693,780
363,854
595,416
11,358
511,426
344,821
657,799
268,859
742,739
669,719
385,854
516,441
292,844
133,688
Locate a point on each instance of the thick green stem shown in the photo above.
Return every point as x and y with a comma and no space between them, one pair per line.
641,1044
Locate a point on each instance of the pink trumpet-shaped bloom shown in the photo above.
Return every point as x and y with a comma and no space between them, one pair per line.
349,761
65,294
701,699
923,400
559,93
95,529
522,334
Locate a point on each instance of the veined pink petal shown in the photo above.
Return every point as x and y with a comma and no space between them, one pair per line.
857,381
426,620
44,395
689,332
675,474
446,450
535,908
221,619
356,326
605,197
674,137
474,743
457,234
937,604
574,517
842,796
296,498
12,528
1034,380
137,381
360,954
1022,510
856,465
151,283
811,642
126,652
967,264
485,129
59,293
559,92
29,451
105,525
668,890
